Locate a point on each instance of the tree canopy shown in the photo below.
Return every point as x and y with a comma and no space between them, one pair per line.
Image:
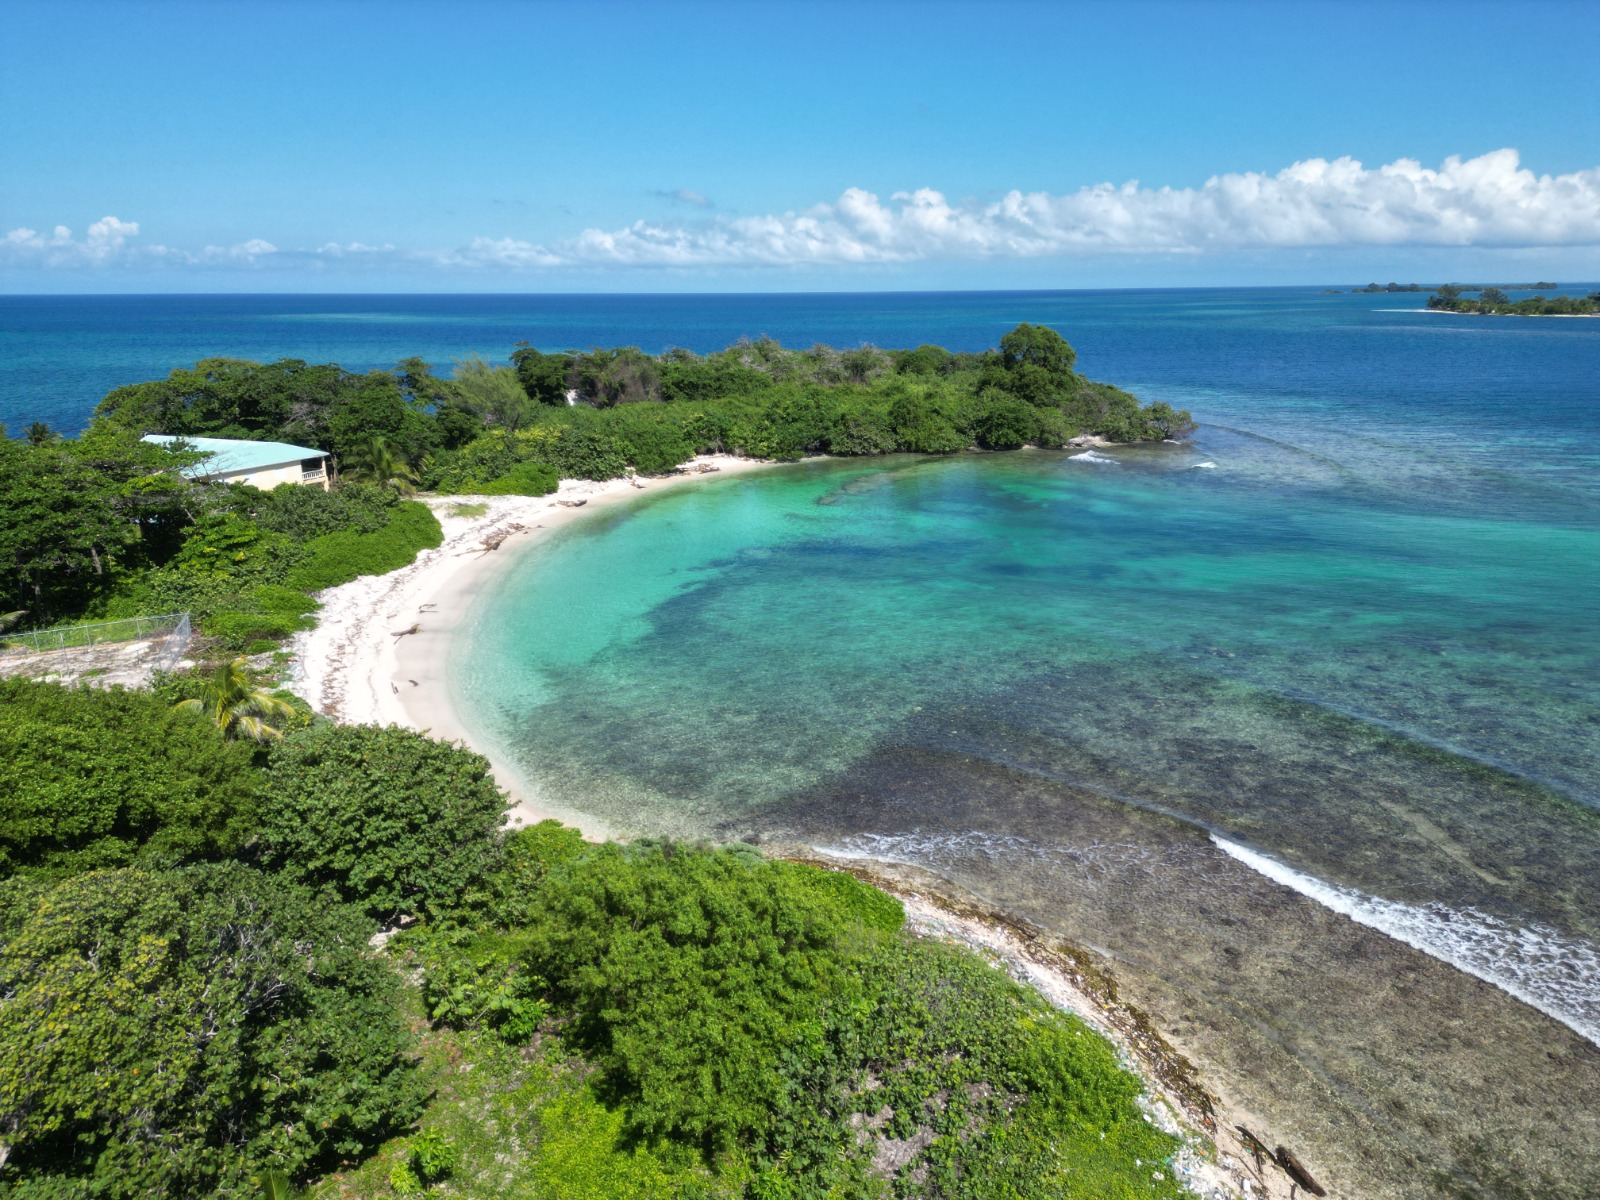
94,777
169,1034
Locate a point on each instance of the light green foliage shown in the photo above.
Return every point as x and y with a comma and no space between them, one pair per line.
388,819
495,394
229,700
336,558
759,1015
92,777
426,1159
527,1126
169,1034
468,510
524,479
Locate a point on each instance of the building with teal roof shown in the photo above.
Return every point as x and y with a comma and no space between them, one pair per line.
260,464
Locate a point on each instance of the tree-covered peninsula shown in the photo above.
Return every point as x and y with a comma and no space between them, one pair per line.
1493,301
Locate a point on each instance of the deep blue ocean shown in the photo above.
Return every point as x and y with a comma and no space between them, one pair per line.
1297,724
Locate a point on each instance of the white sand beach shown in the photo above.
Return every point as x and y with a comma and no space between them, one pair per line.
378,654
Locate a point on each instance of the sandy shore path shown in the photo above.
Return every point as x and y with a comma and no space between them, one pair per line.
379,653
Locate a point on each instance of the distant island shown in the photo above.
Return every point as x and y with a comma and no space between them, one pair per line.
1460,287
1493,301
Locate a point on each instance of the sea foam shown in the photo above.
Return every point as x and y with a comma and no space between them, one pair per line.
1553,972
1091,456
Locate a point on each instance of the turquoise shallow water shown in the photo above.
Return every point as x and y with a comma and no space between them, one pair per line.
1304,680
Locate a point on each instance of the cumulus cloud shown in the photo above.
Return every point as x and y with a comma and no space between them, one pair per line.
1491,201
105,242
1488,201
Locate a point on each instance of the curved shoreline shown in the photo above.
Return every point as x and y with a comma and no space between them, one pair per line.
380,650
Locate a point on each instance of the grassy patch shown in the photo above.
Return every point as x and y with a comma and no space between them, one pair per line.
467,510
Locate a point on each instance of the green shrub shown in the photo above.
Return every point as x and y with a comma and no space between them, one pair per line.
388,819
1004,423
220,1021
307,512
524,479
96,777
691,976
237,630
336,558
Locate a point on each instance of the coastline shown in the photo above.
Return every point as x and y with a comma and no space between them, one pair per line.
378,654
1216,1161
357,667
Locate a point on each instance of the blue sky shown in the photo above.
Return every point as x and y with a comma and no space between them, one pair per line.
382,146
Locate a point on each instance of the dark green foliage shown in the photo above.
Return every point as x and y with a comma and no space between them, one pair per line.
388,819
524,479
172,1034
339,557
924,360
653,437
1034,365
588,450
322,406
1494,301
93,778
1002,422
923,427
73,513
543,376
303,513
861,433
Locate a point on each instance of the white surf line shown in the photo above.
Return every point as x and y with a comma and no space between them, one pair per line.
1554,973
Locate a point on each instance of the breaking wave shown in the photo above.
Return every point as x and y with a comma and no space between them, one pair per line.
1553,972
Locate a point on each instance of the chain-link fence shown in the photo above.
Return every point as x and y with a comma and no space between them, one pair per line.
174,627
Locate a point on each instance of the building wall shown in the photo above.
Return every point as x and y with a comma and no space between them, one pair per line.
267,478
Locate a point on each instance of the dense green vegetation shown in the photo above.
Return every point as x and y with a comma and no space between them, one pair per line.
105,526
1493,301
189,1001
596,415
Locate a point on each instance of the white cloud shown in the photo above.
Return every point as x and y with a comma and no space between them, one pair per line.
1491,201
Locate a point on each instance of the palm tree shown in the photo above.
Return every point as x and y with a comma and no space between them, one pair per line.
40,434
382,463
238,708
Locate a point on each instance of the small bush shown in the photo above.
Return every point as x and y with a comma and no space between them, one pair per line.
524,479
336,558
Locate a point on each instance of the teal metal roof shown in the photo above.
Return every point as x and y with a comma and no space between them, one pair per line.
230,455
